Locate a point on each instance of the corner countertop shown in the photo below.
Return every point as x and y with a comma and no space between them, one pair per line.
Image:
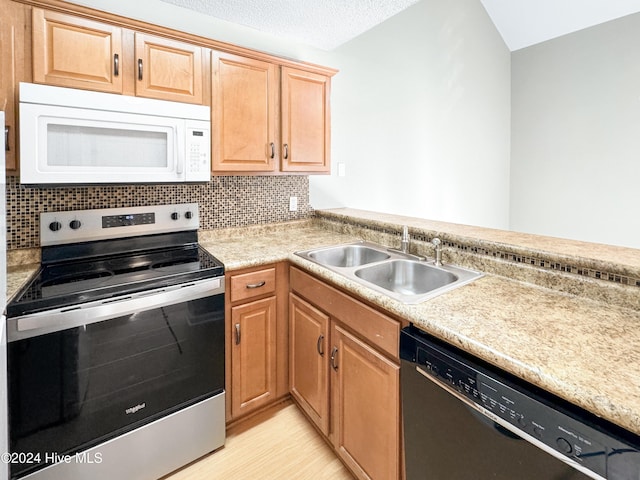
583,350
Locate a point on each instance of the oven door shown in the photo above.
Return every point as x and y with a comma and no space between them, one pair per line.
74,383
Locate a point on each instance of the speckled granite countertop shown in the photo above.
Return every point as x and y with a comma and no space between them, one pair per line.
584,350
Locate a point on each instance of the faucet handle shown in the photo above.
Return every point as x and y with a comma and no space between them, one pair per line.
405,233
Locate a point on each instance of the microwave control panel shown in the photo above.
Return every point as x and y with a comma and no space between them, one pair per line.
198,154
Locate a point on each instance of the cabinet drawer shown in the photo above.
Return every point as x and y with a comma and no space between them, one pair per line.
253,284
376,328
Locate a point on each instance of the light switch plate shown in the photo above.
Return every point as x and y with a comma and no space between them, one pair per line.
293,204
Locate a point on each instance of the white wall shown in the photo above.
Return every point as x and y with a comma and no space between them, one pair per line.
421,118
575,163
420,108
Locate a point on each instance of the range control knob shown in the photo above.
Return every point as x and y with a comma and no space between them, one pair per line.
55,226
521,421
564,446
188,215
75,224
175,216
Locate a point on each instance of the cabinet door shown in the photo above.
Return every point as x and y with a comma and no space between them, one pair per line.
74,52
15,66
305,121
253,355
308,366
244,112
168,70
365,407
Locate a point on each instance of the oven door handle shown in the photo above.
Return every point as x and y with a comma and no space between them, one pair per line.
70,317
506,425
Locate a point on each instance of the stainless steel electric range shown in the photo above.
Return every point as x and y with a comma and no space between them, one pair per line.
116,347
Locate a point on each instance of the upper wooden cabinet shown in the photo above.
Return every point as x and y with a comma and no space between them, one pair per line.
167,69
305,121
74,52
70,51
269,118
244,108
270,115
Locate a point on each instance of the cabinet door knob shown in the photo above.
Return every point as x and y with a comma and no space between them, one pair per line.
334,355
6,138
237,325
273,149
116,64
140,69
286,151
320,345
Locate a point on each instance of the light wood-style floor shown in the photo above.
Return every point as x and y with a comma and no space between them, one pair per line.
277,444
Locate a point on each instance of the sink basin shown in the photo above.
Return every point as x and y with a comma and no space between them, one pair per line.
390,272
406,277
348,256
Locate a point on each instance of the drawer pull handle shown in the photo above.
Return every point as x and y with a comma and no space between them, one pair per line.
237,333
6,139
256,285
140,69
334,354
116,64
320,345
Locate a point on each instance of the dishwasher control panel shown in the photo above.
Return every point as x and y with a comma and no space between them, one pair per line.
522,410
526,414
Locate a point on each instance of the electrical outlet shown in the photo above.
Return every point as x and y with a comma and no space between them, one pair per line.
293,204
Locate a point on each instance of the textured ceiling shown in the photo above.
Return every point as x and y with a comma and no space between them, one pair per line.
324,24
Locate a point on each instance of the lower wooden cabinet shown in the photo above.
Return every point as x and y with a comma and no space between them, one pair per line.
256,339
365,407
345,375
308,366
253,356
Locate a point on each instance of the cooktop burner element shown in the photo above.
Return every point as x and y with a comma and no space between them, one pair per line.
91,255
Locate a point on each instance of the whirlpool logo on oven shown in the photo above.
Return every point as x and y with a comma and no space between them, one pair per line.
135,409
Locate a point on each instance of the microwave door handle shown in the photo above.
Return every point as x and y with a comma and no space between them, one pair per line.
178,153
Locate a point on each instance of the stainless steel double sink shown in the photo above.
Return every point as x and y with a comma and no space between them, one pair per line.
392,273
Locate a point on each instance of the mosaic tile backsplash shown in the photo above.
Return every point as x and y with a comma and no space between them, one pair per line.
225,201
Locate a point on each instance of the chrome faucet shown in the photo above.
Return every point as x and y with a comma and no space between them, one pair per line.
404,243
437,243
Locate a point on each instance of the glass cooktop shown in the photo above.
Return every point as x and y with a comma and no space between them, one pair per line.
68,282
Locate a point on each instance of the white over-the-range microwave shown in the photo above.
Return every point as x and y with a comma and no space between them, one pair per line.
70,136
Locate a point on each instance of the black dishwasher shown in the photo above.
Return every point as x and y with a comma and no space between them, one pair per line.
466,420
